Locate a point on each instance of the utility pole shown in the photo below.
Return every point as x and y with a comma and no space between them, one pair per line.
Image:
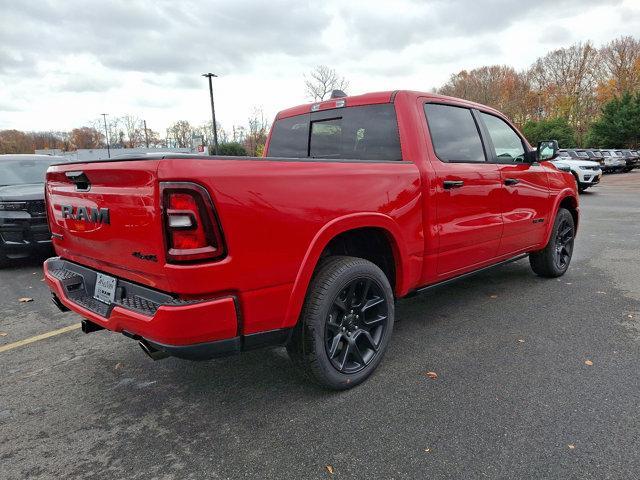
213,112
106,133
146,137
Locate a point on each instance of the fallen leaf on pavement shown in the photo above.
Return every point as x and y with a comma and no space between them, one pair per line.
330,469
118,365
25,299
571,447
629,316
432,375
427,450
588,362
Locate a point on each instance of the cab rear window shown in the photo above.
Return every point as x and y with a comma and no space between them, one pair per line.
368,132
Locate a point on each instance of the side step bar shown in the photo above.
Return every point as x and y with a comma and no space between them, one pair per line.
466,275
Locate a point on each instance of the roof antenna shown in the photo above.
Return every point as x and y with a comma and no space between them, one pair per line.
337,94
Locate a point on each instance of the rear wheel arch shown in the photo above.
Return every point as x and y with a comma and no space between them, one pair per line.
338,238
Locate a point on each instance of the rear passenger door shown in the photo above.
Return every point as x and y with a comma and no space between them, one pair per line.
468,190
525,197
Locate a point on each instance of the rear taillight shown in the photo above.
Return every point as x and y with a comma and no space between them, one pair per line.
192,230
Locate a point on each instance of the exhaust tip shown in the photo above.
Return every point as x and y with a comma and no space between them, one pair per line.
89,327
56,301
151,351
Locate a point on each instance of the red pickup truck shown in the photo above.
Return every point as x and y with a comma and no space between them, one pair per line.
358,201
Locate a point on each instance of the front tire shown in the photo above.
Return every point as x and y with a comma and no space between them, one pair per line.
346,323
554,259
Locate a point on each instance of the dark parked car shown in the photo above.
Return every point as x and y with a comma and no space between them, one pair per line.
595,156
631,159
23,221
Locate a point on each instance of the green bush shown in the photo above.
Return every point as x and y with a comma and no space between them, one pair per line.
231,149
550,129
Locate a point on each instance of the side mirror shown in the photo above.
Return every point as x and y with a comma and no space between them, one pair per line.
547,150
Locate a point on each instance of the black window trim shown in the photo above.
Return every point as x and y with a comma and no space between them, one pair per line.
478,128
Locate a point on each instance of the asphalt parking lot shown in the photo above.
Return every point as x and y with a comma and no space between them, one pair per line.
536,379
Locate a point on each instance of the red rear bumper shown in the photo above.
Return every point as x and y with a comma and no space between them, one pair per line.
173,325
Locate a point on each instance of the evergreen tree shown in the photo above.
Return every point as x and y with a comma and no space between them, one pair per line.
550,129
619,124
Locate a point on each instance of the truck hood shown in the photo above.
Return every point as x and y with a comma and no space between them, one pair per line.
22,193
576,163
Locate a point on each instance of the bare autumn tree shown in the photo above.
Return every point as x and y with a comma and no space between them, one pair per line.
321,81
154,139
206,132
498,86
621,67
85,137
566,80
256,137
134,131
14,141
181,132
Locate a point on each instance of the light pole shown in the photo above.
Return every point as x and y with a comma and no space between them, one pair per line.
106,133
213,113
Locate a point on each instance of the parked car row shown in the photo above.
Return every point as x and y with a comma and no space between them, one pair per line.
588,164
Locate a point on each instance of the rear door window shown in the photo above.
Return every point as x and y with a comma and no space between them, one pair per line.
368,132
454,133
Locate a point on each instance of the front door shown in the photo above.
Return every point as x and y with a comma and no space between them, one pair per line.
525,197
468,190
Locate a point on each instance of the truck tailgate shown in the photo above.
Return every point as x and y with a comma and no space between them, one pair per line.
107,215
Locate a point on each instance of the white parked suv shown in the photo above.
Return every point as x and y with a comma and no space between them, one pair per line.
587,173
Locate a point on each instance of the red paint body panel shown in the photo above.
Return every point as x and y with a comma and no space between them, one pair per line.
277,216
179,325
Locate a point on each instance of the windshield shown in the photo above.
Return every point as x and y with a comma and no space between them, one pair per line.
21,171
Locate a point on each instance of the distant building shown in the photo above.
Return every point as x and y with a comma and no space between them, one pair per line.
87,154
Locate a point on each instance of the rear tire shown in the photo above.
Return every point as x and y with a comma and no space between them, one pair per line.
345,325
554,259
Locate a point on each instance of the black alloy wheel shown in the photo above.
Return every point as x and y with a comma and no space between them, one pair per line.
553,260
564,244
355,325
346,323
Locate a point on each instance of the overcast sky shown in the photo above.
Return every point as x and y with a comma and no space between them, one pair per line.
63,62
